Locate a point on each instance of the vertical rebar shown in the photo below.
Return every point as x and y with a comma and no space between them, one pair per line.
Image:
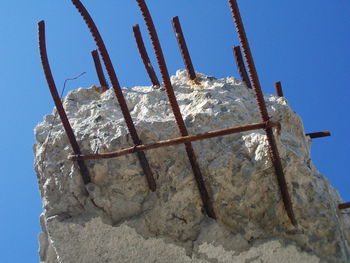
249,59
58,103
279,90
263,110
99,70
175,108
241,67
183,47
117,89
144,56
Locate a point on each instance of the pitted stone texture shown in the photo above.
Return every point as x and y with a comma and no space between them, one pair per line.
269,252
122,244
237,170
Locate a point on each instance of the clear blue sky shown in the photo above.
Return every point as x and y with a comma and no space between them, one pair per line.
305,44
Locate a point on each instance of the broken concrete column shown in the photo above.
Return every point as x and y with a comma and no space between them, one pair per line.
121,220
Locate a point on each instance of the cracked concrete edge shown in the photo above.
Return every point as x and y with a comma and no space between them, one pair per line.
123,244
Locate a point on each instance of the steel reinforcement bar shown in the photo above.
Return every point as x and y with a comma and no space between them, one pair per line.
175,141
279,90
207,204
183,47
99,70
144,56
321,134
117,89
241,67
58,103
263,110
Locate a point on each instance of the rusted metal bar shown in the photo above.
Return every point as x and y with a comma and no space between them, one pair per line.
175,141
241,67
344,206
183,48
144,56
263,110
319,134
279,91
117,89
99,70
58,103
207,204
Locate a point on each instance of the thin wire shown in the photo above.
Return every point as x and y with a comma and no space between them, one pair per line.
47,139
66,80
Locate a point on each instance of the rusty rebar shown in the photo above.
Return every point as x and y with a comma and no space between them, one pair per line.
58,103
241,67
174,141
344,206
117,89
175,108
144,56
183,47
99,70
263,110
279,90
321,134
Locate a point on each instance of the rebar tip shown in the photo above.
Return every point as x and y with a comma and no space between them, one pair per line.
321,134
41,32
237,48
41,28
279,90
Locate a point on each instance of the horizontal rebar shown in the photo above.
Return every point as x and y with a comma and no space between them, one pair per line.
344,206
176,141
319,134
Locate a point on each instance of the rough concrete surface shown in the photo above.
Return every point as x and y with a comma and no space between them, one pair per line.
120,220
